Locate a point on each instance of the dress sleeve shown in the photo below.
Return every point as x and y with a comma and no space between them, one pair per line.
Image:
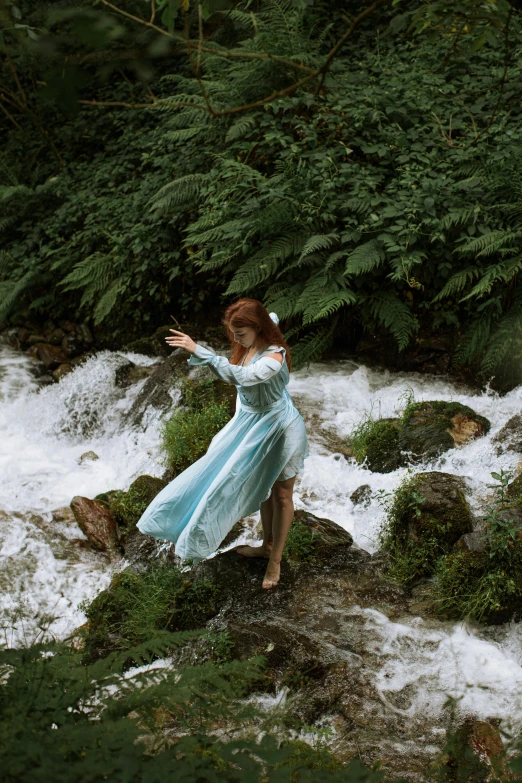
256,372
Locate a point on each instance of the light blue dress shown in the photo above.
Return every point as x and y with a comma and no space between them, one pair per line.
264,442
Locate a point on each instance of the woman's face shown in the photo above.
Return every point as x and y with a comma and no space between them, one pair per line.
244,335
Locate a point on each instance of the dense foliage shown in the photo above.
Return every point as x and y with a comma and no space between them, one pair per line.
374,187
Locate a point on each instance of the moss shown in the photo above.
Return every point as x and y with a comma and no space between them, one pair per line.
422,432
138,605
188,432
514,490
426,516
477,586
143,345
127,507
425,427
377,442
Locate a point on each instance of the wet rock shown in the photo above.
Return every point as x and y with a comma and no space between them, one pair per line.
476,754
472,542
142,549
67,326
50,355
129,373
33,339
56,336
362,495
63,514
96,521
88,456
430,428
127,507
61,371
379,448
331,543
84,333
71,345
155,345
510,436
443,511
157,389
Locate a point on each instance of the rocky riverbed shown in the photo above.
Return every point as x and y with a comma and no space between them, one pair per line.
345,646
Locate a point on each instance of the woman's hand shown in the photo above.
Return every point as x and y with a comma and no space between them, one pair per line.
181,340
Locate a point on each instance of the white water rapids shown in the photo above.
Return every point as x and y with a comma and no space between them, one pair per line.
45,571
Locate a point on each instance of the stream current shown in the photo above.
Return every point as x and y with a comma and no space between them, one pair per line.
46,569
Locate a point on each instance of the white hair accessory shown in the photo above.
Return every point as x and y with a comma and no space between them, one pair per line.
274,317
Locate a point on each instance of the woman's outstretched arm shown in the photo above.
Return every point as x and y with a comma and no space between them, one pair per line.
256,372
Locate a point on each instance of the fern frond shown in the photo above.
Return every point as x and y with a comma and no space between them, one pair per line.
241,127
11,290
184,134
92,273
394,315
458,281
365,258
318,242
490,243
459,217
330,303
181,191
504,271
502,339
108,300
314,345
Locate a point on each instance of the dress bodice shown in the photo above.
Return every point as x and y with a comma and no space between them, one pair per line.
260,384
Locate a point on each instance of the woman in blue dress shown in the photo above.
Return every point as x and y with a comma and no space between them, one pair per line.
252,463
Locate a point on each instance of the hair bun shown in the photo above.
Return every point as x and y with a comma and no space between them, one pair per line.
274,317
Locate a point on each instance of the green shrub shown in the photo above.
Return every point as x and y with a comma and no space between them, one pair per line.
300,542
187,435
377,442
136,606
127,507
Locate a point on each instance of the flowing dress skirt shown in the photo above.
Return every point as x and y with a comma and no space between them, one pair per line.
199,507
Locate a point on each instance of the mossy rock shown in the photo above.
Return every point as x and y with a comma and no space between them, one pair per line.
197,394
430,428
127,507
477,586
377,443
143,345
429,514
137,605
514,489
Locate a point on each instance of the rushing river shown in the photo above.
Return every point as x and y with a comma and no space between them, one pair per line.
46,570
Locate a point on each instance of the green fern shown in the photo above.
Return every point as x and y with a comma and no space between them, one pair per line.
394,315
365,258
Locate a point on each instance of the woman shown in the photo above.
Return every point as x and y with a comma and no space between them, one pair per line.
252,463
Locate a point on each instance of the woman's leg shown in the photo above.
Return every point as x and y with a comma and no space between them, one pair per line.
264,550
283,513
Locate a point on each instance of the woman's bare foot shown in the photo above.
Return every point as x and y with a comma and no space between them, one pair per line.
255,551
271,577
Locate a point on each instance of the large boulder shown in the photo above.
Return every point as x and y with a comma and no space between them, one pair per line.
425,430
430,428
97,522
159,388
441,509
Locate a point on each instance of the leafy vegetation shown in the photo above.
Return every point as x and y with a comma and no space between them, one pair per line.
300,542
138,606
366,183
483,582
485,585
423,431
188,432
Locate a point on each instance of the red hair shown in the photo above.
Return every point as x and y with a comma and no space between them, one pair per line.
251,313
